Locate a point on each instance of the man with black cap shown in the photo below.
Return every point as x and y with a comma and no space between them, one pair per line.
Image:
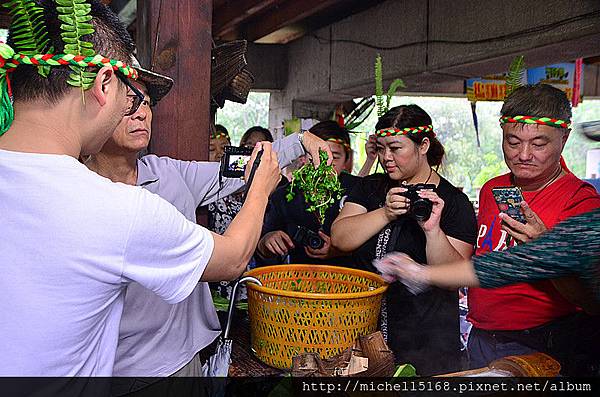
157,338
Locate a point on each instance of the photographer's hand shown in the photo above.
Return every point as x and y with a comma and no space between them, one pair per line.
312,144
267,174
396,204
432,225
325,252
275,243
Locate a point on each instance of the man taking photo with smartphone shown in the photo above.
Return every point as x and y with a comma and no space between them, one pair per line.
521,318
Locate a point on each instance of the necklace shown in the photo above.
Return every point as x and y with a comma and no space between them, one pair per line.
427,180
554,177
429,177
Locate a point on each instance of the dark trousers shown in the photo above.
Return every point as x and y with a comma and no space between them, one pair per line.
574,341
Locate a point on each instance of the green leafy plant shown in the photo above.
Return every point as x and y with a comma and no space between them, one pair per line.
361,112
383,100
75,17
222,304
28,30
319,185
295,285
516,74
405,371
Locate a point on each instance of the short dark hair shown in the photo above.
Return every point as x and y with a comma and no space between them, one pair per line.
404,116
256,129
110,39
539,100
331,129
221,128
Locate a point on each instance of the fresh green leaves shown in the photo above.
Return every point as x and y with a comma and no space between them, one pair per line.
379,85
29,30
516,74
295,285
320,186
76,23
222,304
383,103
405,371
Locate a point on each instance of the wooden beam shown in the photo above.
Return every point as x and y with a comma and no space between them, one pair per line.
228,16
290,12
4,18
175,39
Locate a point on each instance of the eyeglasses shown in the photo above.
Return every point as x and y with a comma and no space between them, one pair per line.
134,101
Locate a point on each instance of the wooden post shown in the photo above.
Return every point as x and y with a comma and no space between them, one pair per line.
174,38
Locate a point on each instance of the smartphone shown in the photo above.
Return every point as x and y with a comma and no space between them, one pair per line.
509,200
234,161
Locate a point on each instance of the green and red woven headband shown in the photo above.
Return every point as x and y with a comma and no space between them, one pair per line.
219,134
339,141
535,120
404,131
9,61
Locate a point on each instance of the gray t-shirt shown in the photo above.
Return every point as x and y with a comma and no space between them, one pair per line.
156,338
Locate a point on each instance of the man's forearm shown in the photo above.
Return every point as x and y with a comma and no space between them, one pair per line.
233,250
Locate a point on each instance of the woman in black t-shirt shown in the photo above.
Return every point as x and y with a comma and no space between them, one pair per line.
376,219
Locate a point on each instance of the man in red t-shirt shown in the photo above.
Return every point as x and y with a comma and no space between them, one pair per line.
523,318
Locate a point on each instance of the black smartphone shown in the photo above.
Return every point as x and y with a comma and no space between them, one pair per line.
234,161
509,200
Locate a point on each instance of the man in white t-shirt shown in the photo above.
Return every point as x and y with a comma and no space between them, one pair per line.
72,240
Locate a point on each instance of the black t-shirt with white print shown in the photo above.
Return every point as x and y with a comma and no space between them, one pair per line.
422,330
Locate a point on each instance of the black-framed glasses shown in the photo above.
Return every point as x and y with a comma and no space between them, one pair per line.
136,100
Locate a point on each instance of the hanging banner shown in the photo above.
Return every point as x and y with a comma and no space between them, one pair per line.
567,77
488,88
564,76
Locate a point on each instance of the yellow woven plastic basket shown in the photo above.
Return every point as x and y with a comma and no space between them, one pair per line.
310,308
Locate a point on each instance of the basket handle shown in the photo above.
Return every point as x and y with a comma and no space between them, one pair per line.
232,301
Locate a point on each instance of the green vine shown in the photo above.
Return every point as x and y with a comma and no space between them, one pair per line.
75,15
28,30
320,186
516,74
383,103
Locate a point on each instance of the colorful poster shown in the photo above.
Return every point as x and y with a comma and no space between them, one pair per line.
488,88
563,76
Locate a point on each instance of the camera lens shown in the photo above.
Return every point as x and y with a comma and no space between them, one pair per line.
421,209
315,243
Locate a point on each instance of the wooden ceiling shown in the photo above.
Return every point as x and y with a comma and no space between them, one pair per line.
279,21
268,21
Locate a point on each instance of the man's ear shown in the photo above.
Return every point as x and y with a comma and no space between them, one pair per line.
102,86
565,137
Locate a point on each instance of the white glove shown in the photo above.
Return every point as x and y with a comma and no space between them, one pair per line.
398,266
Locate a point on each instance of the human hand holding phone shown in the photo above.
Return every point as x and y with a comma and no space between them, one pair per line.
524,232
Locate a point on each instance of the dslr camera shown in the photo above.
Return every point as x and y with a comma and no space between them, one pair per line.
308,238
419,208
234,161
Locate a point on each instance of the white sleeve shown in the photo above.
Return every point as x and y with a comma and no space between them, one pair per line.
165,252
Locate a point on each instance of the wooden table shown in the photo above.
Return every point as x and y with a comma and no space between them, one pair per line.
243,361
